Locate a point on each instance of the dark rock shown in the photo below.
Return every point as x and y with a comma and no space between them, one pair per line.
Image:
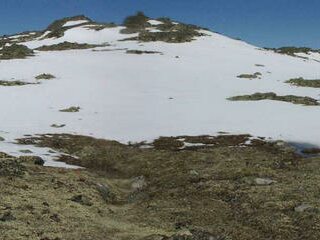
106,193
304,208
55,217
81,199
6,217
138,183
39,161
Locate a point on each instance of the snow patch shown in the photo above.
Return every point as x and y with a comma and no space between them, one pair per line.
73,23
155,22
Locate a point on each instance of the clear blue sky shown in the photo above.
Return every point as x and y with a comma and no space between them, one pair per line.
270,23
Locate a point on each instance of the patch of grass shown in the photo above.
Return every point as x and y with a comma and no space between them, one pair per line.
71,109
301,82
15,51
66,46
139,52
58,125
250,76
45,76
14,83
307,101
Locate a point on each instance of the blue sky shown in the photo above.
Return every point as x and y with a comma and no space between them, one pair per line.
266,23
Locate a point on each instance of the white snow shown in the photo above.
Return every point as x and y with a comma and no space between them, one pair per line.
82,34
73,23
155,22
311,55
19,36
128,97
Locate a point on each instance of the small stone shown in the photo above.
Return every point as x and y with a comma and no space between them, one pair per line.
194,173
303,207
106,193
264,181
81,199
55,217
138,183
1,139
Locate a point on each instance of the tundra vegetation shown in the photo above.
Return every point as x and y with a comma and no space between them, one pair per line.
15,51
250,76
168,31
301,82
66,46
307,101
71,109
226,187
13,83
45,76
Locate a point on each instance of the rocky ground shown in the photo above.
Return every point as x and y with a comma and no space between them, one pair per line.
194,188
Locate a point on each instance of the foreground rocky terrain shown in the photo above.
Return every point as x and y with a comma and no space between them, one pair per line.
194,188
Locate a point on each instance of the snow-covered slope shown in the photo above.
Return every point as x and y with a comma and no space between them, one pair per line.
182,90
